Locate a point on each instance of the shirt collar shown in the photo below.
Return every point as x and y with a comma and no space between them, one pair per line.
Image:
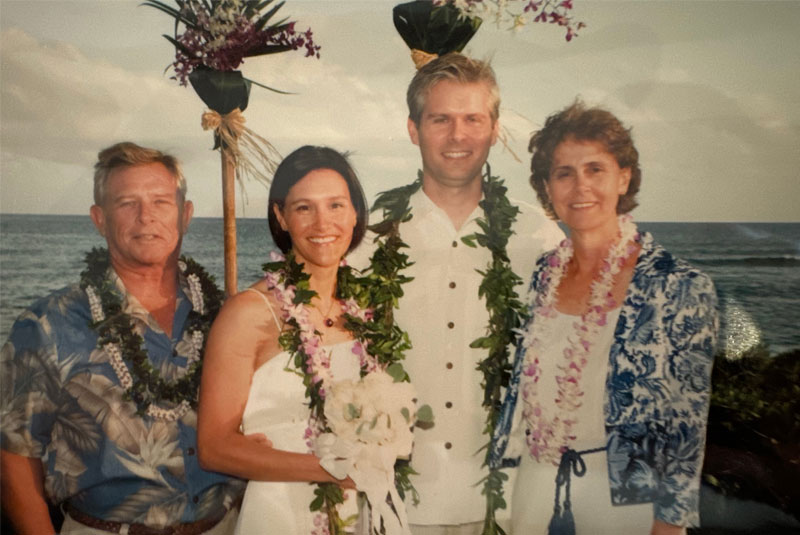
422,206
141,316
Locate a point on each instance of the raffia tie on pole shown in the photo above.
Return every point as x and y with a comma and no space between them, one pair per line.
254,156
243,153
421,58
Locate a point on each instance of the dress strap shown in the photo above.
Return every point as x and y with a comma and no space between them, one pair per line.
269,306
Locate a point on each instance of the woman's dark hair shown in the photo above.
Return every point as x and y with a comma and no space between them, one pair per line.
580,123
296,166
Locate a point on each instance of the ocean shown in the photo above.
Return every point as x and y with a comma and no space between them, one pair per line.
754,266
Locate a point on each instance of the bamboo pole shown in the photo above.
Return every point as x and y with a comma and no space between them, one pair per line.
229,221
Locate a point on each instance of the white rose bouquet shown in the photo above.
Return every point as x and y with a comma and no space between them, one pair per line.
371,423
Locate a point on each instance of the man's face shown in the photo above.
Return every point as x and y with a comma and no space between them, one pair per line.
455,132
142,217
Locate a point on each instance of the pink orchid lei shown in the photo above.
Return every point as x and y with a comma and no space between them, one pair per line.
315,358
549,435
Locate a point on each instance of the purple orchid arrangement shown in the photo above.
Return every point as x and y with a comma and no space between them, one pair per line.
517,13
218,34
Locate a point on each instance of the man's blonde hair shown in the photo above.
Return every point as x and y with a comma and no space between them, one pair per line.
458,68
126,154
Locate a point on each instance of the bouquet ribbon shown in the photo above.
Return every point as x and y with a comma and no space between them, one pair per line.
371,467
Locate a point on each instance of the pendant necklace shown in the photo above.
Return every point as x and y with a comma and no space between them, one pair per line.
326,317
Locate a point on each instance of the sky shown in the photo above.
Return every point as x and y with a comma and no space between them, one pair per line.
711,90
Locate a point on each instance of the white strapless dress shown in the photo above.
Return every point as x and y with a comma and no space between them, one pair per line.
277,406
534,491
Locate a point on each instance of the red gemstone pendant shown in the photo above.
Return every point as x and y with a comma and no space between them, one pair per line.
328,322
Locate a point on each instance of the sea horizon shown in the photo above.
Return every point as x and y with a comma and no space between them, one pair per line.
754,266
251,217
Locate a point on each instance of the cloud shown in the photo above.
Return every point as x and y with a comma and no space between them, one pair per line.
62,106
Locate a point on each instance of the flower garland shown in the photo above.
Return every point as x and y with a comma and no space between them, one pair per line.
117,337
290,287
548,435
506,311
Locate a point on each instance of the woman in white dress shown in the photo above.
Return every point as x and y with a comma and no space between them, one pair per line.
250,388
611,378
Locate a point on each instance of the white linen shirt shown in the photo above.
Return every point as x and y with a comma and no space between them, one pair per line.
442,314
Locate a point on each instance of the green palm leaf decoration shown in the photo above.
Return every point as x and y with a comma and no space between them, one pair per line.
435,29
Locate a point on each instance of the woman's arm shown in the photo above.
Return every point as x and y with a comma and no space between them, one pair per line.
691,329
243,330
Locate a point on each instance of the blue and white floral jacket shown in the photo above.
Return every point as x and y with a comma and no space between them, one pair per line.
657,386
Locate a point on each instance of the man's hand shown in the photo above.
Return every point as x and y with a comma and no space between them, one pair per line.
662,528
24,502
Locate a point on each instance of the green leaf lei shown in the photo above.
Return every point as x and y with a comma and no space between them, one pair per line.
148,387
506,311
385,342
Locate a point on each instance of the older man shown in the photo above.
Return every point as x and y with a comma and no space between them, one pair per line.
453,106
100,379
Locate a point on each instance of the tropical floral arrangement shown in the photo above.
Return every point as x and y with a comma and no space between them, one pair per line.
514,14
219,34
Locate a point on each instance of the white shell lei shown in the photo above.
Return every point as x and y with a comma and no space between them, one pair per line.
548,435
121,369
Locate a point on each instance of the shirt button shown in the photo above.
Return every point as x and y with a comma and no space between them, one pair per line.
450,324
447,445
455,243
449,365
452,285
449,405
189,451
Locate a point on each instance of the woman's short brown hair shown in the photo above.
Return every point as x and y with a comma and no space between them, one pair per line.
584,124
296,166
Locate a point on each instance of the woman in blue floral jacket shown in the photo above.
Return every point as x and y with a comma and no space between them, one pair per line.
611,379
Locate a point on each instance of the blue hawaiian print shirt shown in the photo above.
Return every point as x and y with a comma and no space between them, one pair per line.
658,386
62,402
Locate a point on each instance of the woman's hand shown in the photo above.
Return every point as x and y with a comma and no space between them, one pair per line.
662,528
346,483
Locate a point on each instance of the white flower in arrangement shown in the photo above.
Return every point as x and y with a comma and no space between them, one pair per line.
374,410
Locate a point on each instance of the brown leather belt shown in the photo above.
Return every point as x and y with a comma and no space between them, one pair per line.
190,528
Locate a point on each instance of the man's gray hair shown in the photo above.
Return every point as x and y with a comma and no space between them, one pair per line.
458,68
126,154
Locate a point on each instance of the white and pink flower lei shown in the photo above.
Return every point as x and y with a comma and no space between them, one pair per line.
318,359
318,363
549,435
